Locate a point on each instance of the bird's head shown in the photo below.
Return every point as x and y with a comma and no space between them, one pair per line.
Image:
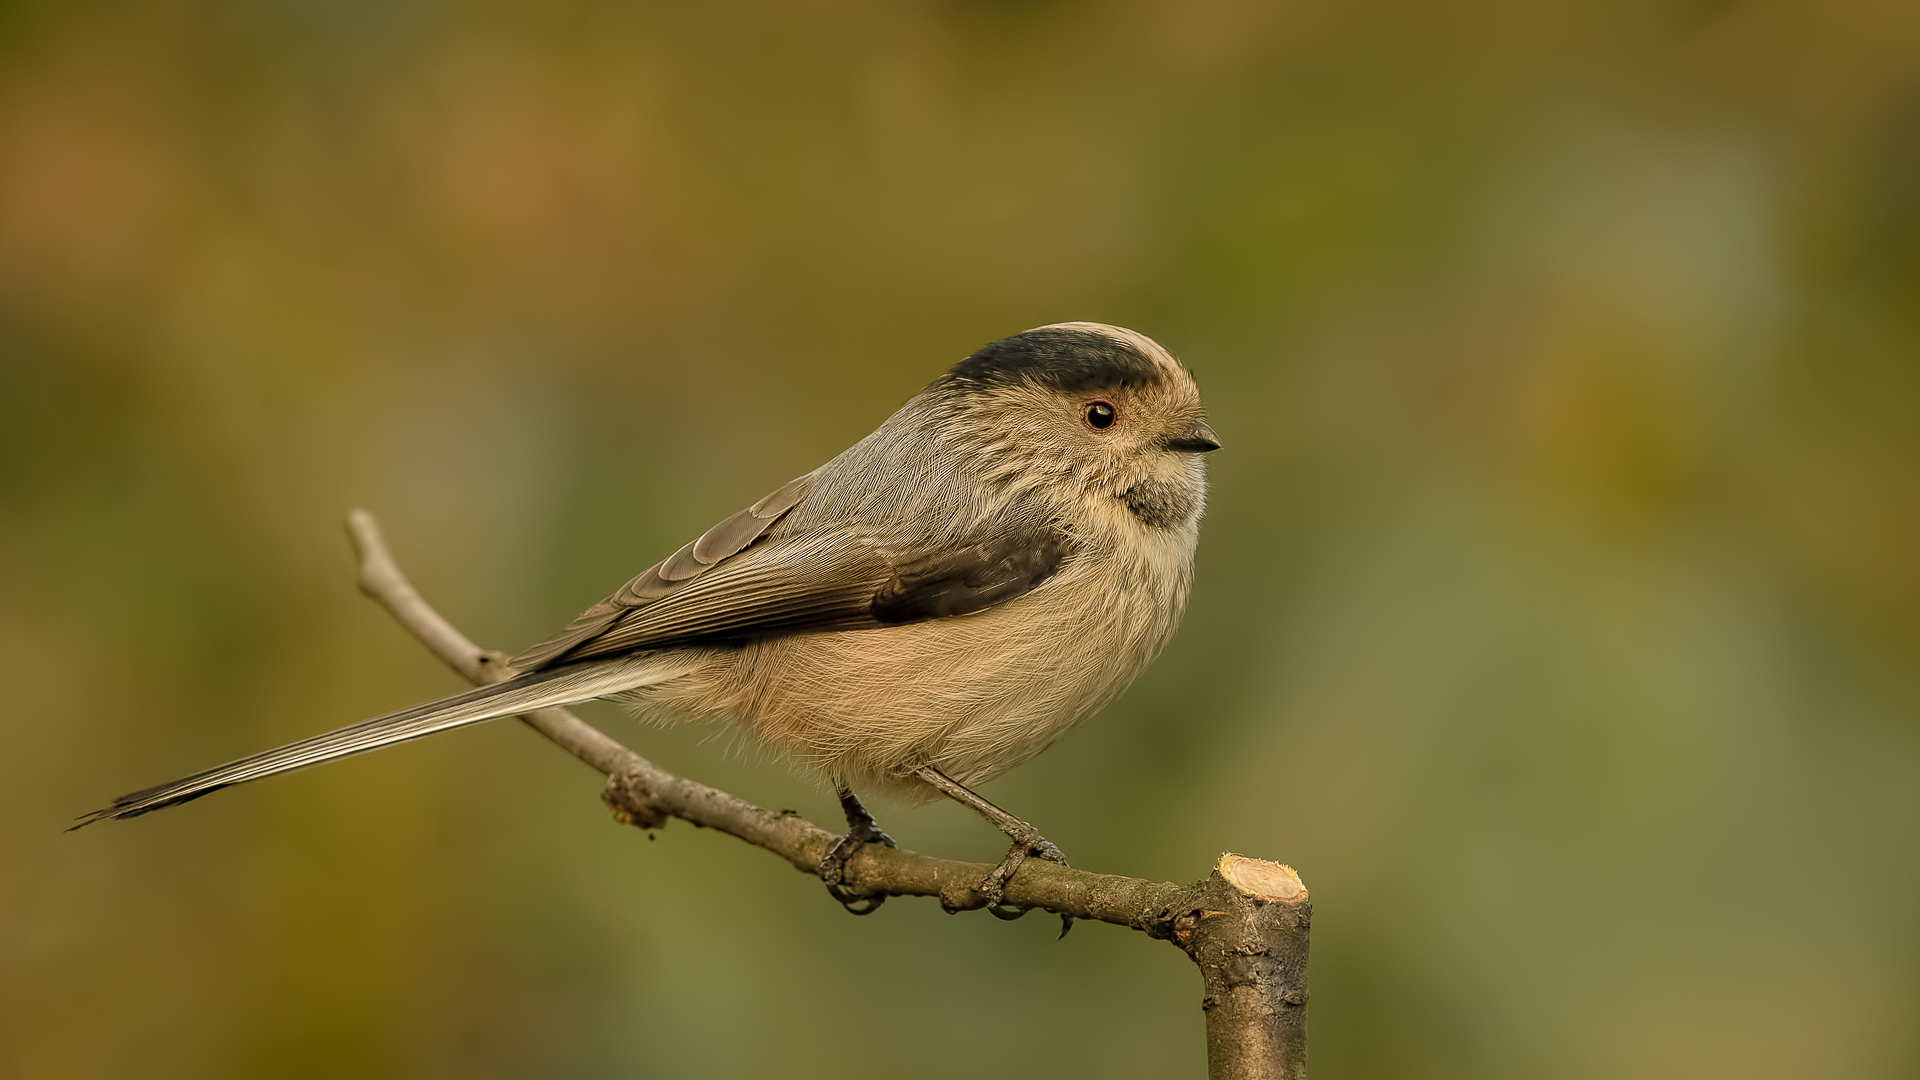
1088,412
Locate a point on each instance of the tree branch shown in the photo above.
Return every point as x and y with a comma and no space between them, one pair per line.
1246,925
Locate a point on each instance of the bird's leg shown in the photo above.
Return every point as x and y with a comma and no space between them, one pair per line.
1027,841
861,830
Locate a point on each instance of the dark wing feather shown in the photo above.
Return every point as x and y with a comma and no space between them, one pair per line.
835,580
969,579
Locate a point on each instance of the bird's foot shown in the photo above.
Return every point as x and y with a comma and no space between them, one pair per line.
1028,843
861,831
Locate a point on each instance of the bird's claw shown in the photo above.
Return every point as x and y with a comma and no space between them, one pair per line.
833,869
994,886
856,903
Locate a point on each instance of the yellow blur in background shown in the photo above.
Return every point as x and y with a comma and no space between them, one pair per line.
1557,606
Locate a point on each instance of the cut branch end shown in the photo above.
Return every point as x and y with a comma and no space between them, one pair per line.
1261,879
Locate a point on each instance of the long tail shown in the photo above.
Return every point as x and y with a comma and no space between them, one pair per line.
536,690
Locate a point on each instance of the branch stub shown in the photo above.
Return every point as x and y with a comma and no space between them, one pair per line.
1261,879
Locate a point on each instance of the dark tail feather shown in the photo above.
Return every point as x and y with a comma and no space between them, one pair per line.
537,690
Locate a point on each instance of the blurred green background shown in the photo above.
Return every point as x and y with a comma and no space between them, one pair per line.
1557,606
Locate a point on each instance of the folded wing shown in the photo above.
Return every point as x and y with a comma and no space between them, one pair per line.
737,582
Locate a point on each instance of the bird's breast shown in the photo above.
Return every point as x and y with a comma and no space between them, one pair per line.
976,694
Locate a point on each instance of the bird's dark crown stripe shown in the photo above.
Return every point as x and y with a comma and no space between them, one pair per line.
1069,361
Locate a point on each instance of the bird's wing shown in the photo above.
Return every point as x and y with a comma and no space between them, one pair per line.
735,582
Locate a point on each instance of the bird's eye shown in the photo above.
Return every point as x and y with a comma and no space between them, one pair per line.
1100,414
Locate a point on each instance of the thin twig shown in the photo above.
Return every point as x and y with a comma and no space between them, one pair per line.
1246,925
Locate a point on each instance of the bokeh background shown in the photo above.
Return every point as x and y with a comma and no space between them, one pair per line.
1557,606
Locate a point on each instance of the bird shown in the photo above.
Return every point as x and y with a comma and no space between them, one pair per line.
939,603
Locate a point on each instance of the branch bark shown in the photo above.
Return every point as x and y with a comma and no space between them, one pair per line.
1246,925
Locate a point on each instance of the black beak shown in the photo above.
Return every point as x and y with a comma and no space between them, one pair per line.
1200,440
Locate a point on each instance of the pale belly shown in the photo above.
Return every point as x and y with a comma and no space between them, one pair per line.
974,695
